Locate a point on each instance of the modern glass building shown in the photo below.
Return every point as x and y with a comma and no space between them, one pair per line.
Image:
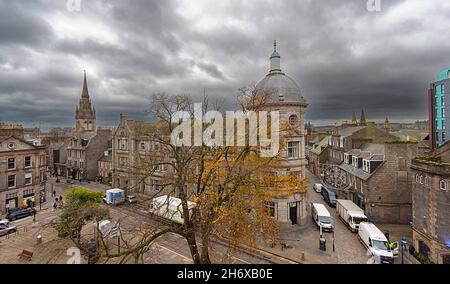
439,109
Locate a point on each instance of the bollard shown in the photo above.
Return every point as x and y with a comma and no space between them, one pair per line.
303,256
39,239
323,244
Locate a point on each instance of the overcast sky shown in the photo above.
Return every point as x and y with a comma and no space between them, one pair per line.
344,57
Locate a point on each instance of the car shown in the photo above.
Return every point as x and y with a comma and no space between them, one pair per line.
4,222
318,187
131,199
7,229
19,214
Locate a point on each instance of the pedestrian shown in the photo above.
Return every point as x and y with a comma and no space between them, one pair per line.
54,193
54,206
7,208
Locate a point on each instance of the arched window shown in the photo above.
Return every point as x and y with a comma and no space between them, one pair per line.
293,120
443,184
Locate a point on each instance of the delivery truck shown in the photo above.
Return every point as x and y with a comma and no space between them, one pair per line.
114,196
350,214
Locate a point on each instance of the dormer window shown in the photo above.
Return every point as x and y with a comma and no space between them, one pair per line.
355,162
366,166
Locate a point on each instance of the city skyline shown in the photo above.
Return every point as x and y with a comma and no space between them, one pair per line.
338,55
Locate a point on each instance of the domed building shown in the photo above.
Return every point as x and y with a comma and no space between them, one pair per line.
284,95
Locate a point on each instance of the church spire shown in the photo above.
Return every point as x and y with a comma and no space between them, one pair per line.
85,93
85,114
354,121
363,121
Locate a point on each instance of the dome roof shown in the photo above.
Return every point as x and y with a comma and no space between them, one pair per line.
281,87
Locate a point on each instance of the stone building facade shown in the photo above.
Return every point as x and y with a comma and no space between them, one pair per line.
22,171
378,179
83,152
431,204
105,168
284,95
131,147
317,155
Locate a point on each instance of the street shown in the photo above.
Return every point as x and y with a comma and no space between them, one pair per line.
302,242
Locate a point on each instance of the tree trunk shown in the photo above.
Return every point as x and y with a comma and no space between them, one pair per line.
190,237
205,251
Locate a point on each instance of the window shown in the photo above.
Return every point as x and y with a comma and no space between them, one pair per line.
427,181
293,120
12,195
443,113
28,192
11,181
443,137
270,206
293,150
11,164
142,145
28,179
421,180
28,162
443,185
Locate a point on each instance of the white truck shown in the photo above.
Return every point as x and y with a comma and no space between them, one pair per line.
350,214
376,243
114,196
169,208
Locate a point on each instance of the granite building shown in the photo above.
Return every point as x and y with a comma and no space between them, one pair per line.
22,170
431,204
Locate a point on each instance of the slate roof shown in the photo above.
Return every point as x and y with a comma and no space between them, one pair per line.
358,172
323,144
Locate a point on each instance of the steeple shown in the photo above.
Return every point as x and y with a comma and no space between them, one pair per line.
354,120
386,124
85,93
85,114
362,121
275,60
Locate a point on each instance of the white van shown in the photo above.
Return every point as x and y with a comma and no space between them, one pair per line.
322,217
318,187
169,208
376,242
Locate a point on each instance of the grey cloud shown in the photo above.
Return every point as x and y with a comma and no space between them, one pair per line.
158,48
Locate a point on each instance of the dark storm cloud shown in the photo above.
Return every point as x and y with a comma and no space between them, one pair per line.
343,57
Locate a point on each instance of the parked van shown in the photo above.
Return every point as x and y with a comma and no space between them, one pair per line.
169,208
322,217
329,195
376,242
350,213
318,187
